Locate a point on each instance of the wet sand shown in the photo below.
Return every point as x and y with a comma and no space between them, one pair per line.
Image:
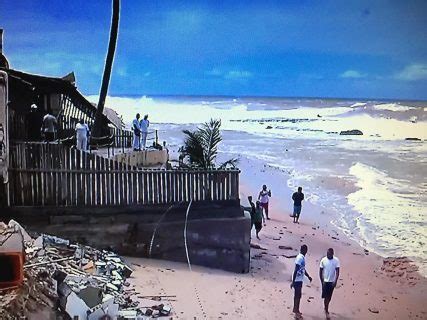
370,287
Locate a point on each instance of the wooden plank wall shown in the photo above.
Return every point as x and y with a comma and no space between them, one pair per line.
53,175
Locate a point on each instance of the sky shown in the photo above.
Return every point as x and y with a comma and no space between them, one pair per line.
296,48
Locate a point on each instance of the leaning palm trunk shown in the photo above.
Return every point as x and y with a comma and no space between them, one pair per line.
96,132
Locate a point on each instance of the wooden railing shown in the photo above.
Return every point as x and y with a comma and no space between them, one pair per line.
53,175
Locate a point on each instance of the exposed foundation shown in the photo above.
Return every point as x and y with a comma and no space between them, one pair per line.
218,233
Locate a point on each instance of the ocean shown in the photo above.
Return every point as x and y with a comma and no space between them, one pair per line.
374,183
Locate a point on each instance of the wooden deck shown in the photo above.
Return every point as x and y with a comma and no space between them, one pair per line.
43,174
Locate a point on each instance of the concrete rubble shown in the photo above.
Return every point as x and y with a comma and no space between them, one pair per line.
63,280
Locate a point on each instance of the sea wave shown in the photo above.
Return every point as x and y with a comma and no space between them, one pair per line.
386,205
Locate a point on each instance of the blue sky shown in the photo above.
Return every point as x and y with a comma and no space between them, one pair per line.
372,49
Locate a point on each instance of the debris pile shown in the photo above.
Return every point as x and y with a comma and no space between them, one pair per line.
62,280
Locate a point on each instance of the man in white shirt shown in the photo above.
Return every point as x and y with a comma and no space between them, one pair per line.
298,277
144,124
263,198
82,133
329,273
136,128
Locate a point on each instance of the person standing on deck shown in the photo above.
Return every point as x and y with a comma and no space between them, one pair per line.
34,122
298,197
329,273
82,133
263,198
49,126
136,133
298,277
144,124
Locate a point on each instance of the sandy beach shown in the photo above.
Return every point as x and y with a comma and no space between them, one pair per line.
370,287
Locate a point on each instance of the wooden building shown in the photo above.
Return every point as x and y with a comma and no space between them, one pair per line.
55,188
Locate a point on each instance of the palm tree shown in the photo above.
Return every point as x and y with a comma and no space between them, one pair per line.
96,131
201,146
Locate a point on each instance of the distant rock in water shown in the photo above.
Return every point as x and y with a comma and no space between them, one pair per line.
351,133
413,139
269,127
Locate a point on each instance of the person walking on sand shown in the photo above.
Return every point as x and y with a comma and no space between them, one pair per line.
298,277
258,219
144,124
298,197
82,134
263,198
49,126
136,133
251,210
329,273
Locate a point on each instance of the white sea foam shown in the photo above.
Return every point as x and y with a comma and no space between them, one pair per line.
393,215
298,122
358,105
392,107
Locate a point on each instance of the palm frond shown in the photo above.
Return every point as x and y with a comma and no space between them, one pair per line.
193,147
211,137
229,164
201,146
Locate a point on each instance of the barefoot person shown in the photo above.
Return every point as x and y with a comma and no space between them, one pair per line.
298,277
263,198
329,273
298,197
251,210
258,218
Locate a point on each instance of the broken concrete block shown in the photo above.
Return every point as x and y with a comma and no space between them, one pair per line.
128,314
91,296
76,307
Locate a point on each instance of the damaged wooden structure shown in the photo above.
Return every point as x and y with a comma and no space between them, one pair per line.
54,188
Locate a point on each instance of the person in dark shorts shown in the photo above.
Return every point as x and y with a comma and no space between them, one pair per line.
298,197
258,218
329,273
298,277
251,210
263,197
34,121
49,126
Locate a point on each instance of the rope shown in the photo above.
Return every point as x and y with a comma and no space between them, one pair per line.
158,223
196,292
185,234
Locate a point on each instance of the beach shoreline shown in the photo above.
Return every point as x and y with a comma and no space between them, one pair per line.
368,288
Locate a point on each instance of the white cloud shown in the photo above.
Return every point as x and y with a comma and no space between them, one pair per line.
238,75
122,71
230,75
413,72
214,72
352,74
